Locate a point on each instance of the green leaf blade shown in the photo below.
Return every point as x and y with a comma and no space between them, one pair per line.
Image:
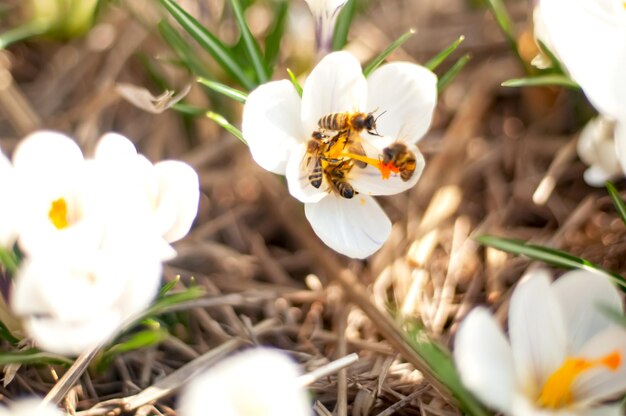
547,255
388,50
274,38
436,60
550,80
225,90
452,72
620,206
209,42
252,47
342,26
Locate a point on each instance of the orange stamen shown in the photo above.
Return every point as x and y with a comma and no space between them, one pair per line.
556,391
385,168
58,214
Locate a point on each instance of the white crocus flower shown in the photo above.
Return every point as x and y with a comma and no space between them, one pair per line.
171,188
278,124
589,38
72,301
30,407
8,232
565,356
596,148
325,13
256,382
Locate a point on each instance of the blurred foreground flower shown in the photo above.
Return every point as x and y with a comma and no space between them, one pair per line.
596,147
325,13
29,407
589,38
347,138
256,382
565,356
94,232
8,234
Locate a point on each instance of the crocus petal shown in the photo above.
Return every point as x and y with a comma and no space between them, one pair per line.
583,318
336,84
485,361
407,94
537,330
257,382
601,383
596,147
620,143
271,124
72,337
613,410
297,175
30,407
355,227
522,406
46,150
589,37
178,197
370,181
324,7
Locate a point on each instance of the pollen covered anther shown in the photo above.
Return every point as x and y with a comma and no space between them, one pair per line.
58,214
386,169
556,391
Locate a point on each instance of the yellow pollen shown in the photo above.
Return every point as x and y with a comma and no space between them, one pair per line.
385,168
556,391
58,214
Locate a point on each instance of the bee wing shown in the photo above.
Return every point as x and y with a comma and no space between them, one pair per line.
298,172
357,149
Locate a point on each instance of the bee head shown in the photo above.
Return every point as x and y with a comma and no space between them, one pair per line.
370,123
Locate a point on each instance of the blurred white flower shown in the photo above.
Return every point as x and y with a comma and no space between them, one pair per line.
171,188
589,38
565,356
278,125
596,147
256,382
70,301
8,232
30,407
325,13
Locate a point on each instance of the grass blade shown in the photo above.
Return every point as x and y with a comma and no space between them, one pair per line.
137,341
273,39
189,110
559,80
252,48
225,124
295,82
506,26
6,335
436,60
342,26
33,356
547,255
27,30
388,50
443,367
181,48
225,90
209,42
452,72
620,206
9,260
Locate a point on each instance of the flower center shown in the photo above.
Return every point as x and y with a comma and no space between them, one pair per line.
557,390
58,214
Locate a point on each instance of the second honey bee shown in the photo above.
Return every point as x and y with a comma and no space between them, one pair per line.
402,158
350,121
315,149
337,176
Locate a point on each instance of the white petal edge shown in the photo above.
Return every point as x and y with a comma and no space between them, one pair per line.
484,359
30,407
620,143
179,195
355,227
600,384
407,94
114,147
297,175
590,39
581,294
46,150
271,124
257,381
536,330
369,180
336,84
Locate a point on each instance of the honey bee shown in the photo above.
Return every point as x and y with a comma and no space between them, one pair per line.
337,146
350,121
337,177
402,158
315,148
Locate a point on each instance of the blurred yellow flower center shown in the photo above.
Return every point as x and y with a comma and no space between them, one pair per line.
58,213
557,390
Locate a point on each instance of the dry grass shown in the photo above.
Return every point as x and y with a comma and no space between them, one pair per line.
499,161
